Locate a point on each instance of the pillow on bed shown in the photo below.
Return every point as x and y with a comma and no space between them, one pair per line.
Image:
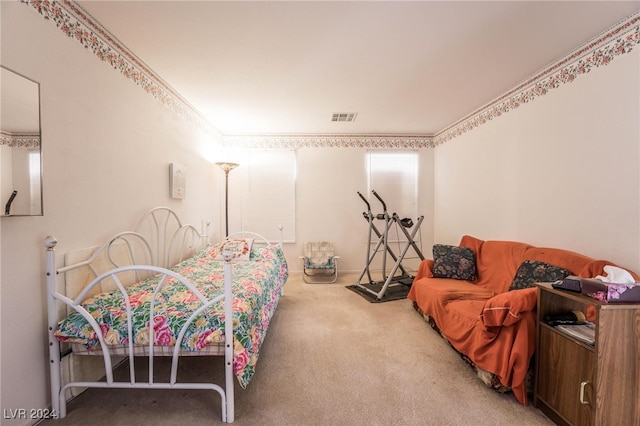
454,262
531,271
240,248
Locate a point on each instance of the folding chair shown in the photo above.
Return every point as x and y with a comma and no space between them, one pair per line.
320,265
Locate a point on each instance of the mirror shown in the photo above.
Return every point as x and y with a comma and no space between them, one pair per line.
20,146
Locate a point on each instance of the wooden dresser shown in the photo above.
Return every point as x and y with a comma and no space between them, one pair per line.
580,384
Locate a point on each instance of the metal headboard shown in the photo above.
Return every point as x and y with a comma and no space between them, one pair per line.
158,239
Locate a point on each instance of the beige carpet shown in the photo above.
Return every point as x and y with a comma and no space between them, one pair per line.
330,358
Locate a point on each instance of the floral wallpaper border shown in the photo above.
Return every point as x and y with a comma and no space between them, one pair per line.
20,140
330,141
598,52
70,18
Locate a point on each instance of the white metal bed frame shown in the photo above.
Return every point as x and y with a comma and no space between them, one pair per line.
168,237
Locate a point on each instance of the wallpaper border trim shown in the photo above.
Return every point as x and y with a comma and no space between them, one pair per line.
601,50
27,140
76,23
292,141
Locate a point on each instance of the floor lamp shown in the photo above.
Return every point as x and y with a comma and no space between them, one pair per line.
226,167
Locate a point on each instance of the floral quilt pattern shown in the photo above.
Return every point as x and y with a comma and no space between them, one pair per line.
257,285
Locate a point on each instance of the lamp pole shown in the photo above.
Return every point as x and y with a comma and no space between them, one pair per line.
226,167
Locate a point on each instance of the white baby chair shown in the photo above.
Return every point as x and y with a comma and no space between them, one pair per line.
320,265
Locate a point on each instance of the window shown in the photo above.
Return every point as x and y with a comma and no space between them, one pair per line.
34,182
394,176
268,196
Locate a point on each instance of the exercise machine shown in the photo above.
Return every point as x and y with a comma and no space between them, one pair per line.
398,275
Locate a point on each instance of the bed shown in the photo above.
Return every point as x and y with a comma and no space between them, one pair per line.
162,290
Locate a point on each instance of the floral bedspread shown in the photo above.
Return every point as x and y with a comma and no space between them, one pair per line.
257,286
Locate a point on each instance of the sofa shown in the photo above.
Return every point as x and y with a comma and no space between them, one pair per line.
480,296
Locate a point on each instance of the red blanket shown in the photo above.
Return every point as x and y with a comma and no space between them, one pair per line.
498,333
494,327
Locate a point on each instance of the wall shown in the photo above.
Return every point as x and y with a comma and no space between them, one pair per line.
107,146
561,171
328,207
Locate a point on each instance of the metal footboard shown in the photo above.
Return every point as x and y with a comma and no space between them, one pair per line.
58,389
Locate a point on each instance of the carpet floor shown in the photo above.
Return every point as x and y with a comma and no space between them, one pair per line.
329,358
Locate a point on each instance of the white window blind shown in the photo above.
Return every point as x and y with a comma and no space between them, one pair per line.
394,176
268,196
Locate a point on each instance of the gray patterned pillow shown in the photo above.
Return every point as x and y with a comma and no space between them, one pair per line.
454,262
531,271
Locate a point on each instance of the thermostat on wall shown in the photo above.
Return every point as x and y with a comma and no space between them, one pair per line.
177,180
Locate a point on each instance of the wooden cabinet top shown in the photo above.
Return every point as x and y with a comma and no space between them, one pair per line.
578,297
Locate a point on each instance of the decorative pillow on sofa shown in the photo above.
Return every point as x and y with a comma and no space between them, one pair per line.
531,271
454,262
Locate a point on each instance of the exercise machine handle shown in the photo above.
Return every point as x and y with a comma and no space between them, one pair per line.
384,206
7,207
365,200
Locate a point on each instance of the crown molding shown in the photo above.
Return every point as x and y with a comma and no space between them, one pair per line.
76,23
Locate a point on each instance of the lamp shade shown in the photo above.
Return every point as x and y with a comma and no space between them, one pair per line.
227,167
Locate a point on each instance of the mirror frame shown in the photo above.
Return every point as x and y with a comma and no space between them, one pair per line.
39,132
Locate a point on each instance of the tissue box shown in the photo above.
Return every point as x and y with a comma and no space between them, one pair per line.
610,292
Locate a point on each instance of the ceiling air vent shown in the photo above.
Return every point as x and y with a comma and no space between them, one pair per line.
344,116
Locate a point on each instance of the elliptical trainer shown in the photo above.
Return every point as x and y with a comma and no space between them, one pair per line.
378,289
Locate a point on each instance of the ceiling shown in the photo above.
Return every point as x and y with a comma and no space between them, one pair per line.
413,68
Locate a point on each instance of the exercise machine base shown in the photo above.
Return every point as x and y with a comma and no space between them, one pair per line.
397,290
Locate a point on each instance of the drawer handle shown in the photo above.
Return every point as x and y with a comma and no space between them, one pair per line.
582,386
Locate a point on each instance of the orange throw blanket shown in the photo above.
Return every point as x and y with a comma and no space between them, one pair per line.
494,327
